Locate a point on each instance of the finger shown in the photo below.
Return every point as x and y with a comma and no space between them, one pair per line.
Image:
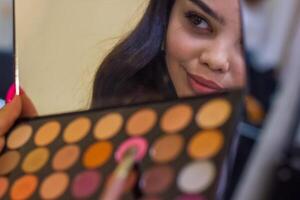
28,109
2,143
9,114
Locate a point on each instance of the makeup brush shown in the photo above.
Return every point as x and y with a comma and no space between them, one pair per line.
115,188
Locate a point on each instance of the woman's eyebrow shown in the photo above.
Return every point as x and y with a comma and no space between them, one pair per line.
203,6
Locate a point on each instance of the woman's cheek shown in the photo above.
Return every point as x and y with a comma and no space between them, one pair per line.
180,45
238,74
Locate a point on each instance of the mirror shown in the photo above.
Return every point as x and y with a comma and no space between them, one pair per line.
61,43
6,48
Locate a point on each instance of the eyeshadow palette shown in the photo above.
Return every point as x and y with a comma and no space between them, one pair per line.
182,145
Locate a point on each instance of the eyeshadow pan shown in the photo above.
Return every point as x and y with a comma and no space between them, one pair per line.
214,113
141,122
205,144
176,118
54,185
24,187
4,183
167,148
85,184
196,177
97,154
35,160
139,143
108,126
9,161
19,136
47,133
77,130
157,179
65,157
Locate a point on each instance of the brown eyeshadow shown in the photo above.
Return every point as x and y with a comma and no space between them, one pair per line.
9,161
167,148
157,179
176,118
65,157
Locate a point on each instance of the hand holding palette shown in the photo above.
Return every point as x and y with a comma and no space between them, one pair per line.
181,145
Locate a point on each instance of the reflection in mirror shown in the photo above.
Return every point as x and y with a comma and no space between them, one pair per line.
6,48
97,54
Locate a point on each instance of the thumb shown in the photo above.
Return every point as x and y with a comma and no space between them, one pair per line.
9,114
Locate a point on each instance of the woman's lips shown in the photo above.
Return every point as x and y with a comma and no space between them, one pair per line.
202,85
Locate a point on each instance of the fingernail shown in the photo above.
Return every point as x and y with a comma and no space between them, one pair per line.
12,93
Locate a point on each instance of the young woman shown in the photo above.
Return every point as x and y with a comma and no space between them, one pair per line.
179,48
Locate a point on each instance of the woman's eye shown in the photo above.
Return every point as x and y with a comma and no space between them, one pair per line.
197,21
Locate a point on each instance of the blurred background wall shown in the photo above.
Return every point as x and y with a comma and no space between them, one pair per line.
61,43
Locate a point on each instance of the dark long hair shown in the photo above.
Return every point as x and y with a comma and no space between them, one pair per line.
121,73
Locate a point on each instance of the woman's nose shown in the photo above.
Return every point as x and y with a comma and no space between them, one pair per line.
216,59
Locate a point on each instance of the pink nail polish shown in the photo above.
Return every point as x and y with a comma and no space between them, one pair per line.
12,93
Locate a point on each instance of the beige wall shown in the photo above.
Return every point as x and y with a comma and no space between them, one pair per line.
61,43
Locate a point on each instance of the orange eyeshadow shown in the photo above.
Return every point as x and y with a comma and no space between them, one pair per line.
47,133
4,184
141,122
176,118
206,144
108,126
24,187
97,154
77,130
19,136
54,185
213,114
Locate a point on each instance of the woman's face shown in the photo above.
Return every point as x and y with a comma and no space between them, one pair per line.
203,46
